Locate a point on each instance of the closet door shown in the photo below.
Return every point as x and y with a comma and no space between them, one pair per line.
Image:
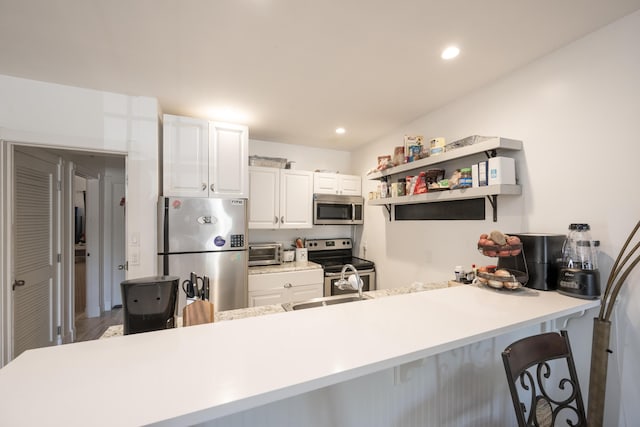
35,218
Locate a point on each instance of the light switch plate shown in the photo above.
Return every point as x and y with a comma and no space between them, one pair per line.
134,239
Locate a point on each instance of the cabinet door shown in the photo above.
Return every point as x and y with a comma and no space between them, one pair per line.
273,296
296,199
185,157
325,183
302,293
350,185
228,160
264,197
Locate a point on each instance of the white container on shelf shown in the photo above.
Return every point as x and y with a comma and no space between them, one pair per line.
475,179
502,170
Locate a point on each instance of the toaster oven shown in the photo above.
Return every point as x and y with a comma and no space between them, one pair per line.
265,254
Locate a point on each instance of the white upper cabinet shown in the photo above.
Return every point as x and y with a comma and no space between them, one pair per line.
296,199
185,153
204,159
334,183
228,160
280,198
264,197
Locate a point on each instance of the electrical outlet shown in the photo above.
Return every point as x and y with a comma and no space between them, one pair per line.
134,256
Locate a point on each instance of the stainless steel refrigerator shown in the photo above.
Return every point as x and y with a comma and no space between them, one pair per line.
207,237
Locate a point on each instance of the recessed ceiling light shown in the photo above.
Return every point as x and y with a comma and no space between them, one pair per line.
450,52
340,131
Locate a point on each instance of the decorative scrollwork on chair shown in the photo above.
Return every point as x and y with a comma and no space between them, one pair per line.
552,397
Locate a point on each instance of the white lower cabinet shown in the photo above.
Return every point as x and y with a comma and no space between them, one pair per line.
280,288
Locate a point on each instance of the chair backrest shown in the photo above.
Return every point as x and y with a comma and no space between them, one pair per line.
543,381
149,303
197,313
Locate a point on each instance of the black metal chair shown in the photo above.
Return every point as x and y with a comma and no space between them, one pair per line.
149,303
543,381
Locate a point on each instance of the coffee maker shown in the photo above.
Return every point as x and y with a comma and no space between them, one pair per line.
539,259
579,275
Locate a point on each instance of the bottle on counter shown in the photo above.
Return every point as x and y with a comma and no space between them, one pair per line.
459,272
471,274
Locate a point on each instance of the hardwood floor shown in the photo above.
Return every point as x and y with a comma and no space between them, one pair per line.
88,329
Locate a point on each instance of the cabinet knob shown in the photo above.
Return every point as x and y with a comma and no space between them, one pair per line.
204,186
282,219
276,219
287,285
213,187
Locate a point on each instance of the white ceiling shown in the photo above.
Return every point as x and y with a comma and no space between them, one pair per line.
293,70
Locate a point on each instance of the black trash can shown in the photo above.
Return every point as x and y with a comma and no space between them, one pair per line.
149,303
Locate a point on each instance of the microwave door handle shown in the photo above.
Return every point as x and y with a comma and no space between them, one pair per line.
353,211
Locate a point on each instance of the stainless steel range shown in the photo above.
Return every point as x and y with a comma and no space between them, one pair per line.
332,254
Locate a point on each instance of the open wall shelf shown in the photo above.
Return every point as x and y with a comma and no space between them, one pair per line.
489,147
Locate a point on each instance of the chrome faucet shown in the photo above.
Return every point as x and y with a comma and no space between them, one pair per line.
344,284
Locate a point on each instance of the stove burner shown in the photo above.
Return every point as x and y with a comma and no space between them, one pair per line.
333,257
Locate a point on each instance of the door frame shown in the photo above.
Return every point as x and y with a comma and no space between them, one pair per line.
6,170
111,290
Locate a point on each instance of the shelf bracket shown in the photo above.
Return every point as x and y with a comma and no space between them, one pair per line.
493,199
388,208
491,153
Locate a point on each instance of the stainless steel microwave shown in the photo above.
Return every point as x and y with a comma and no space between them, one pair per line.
330,209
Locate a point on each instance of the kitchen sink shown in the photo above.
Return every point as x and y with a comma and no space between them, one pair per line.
322,302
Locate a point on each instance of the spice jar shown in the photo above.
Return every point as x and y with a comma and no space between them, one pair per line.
402,187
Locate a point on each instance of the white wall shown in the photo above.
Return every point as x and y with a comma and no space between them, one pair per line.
306,158
576,111
52,115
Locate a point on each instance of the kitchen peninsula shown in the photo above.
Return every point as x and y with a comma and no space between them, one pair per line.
190,375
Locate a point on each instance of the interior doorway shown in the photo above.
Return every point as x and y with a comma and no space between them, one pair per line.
85,226
99,235
79,242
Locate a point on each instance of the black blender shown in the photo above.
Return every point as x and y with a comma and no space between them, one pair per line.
579,275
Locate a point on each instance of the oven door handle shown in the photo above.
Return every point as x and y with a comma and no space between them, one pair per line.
360,272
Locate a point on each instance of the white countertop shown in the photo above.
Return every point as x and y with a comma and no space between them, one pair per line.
284,267
189,375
